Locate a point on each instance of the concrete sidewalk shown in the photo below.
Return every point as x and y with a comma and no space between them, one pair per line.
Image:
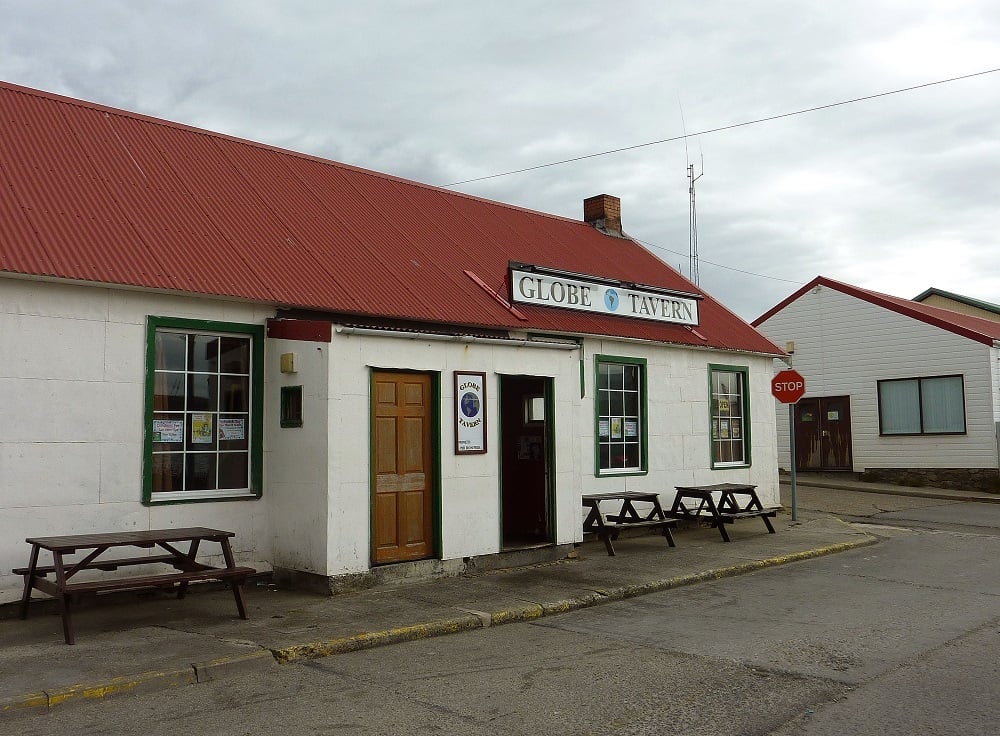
149,641
152,641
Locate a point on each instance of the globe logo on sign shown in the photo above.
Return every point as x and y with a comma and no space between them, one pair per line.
470,404
611,299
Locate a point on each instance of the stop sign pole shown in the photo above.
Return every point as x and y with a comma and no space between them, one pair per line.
788,387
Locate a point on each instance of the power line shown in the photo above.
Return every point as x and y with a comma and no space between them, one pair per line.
712,263
722,128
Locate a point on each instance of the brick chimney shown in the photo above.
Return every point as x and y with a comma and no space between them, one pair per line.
604,212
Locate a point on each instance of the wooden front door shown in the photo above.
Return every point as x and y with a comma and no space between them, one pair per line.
402,467
823,433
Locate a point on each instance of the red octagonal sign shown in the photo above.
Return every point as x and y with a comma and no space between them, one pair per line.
788,386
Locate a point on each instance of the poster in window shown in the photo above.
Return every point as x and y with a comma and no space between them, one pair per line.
616,428
736,430
201,429
723,406
168,430
604,428
529,448
724,429
470,413
232,429
631,428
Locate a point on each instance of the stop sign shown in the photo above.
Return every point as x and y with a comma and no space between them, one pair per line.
788,386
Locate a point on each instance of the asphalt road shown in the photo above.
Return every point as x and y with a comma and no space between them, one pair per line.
898,638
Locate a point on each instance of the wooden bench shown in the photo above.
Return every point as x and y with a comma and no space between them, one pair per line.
186,567
106,565
608,527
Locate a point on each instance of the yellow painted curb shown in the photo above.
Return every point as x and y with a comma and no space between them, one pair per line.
373,639
214,668
117,685
23,702
750,566
528,612
151,681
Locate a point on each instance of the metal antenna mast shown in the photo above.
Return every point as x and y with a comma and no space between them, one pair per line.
693,215
693,225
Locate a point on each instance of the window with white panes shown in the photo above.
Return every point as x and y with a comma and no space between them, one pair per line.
203,410
620,415
730,416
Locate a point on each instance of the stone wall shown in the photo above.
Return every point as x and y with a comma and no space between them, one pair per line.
963,479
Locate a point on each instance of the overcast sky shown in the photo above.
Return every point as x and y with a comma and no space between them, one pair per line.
896,194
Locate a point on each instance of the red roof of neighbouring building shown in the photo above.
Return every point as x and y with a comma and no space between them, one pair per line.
975,328
104,196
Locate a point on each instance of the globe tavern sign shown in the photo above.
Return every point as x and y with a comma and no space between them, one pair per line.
551,288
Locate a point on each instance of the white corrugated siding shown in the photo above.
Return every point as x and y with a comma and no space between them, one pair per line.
845,345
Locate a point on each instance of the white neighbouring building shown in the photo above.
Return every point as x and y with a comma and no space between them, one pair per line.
896,390
359,375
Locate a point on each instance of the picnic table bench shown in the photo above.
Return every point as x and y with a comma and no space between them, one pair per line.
186,569
608,527
735,501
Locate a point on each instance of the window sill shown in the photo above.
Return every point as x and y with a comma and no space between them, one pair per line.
158,499
617,473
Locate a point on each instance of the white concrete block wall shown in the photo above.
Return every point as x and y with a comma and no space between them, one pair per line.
678,422
72,377
72,427
297,459
470,494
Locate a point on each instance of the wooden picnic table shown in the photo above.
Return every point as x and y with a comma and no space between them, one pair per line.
608,527
185,567
735,501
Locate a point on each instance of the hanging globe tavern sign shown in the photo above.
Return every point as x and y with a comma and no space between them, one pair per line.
551,288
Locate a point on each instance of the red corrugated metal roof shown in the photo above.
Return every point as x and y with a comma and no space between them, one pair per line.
975,328
102,195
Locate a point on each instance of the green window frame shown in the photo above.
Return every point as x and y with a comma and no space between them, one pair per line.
620,411
729,415
204,410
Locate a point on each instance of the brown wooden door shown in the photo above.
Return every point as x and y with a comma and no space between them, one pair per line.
402,467
823,433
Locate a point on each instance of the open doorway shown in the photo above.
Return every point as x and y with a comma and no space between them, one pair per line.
526,461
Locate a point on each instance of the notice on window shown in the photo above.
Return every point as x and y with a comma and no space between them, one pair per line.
529,448
232,429
616,428
604,428
724,429
168,430
723,406
736,430
201,429
832,416
631,428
